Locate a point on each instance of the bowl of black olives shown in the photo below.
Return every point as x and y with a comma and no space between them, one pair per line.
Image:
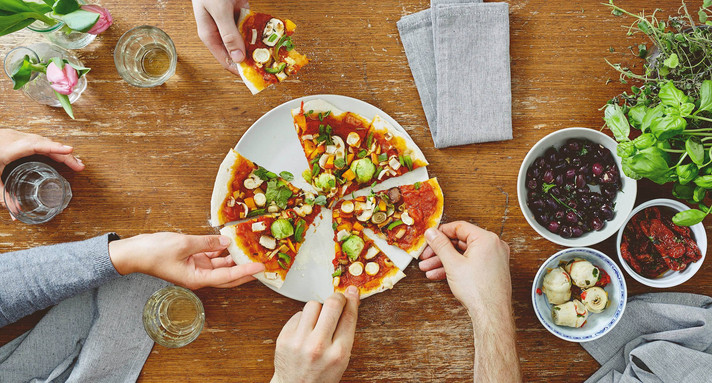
571,189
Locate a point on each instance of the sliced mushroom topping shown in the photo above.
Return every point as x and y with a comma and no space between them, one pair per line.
342,234
261,55
347,207
273,208
371,252
372,268
394,195
394,163
230,202
323,159
382,174
356,269
259,226
400,233
407,218
360,206
365,215
379,217
307,137
260,199
330,149
245,209
273,32
254,36
388,136
388,262
252,182
336,281
304,210
271,275
281,76
353,139
268,242
343,261
340,147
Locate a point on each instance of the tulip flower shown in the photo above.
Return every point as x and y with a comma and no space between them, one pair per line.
62,80
105,19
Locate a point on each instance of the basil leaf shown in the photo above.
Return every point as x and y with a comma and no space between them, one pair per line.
625,149
286,176
651,163
625,161
699,194
704,181
644,141
705,96
689,217
668,126
320,200
650,116
636,115
670,95
685,192
299,230
686,173
695,150
264,174
617,122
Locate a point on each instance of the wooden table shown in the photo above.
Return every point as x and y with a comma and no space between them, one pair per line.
152,154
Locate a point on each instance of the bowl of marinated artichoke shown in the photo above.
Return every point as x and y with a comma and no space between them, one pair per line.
579,294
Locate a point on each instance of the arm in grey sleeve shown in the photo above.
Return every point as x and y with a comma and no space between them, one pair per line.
31,280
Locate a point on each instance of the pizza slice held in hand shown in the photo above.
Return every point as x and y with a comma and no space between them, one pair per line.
270,56
274,240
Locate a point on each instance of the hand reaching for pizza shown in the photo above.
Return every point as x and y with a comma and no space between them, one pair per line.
191,261
217,28
475,263
16,145
315,344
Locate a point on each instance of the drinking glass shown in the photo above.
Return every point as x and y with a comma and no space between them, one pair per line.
35,193
62,36
145,57
173,317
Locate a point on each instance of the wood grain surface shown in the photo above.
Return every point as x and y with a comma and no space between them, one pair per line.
152,155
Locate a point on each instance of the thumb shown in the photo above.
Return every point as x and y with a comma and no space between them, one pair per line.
205,243
442,247
231,37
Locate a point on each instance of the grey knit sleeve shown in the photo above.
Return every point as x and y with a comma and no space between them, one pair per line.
37,278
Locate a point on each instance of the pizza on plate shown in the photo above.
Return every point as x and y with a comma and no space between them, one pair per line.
244,190
400,215
273,239
359,262
347,152
270,56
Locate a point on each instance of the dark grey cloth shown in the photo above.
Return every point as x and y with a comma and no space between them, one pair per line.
458,52
95,336
664,337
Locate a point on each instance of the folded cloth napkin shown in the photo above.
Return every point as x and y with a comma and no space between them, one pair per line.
458,52
96,336
664,337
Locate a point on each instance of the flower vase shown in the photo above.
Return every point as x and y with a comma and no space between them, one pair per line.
62,36
38,88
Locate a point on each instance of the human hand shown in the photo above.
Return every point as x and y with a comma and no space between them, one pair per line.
16,145
475,263
192,261
315,344
217,28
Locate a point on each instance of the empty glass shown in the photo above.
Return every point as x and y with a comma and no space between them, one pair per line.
145,57
35,193
173,316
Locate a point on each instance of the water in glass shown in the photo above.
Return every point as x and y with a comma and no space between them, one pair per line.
35,193
173,317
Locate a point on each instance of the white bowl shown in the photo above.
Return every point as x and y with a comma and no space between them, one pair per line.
596,325
624,202
670,278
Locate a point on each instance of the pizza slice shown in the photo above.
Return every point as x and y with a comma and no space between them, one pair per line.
400,215
244,189
270,56
359,262
273,239
392,151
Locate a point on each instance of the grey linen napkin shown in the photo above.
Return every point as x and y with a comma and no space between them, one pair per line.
96,336
458,52
664,337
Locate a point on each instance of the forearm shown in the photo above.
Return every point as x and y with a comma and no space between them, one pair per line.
496,357
37,278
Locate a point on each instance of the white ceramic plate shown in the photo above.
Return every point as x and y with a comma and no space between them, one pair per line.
624,201
670,278
596,325
272,142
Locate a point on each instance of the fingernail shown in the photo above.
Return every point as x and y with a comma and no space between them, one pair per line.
237,56
80,161
224,241
67,147
431,234
352,290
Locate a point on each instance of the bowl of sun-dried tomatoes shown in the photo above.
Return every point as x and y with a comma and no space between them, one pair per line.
655,251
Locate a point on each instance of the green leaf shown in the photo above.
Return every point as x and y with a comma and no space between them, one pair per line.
14,23
81,71
703,16
672,62
695,150
286,175
650,116
643,141
320,200
699,194
707,3
80,20
686,173
685,192
705,96
64,100
689,217
651,163
17,6
22,74
625,149
636,115
686,109
671,96
642,51
704,182
628,171
63,7
617,122
668,126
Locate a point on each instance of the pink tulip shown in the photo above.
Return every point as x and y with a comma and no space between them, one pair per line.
105,19
62,80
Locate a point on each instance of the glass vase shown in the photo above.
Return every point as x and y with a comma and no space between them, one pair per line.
38,88
61,36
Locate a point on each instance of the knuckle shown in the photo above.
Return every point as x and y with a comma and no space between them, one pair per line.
231,39
315,351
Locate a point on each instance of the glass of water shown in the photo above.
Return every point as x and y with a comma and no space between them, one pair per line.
173,316
145,56
35,193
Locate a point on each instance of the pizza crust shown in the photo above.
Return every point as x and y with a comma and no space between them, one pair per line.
433,222
222,187
241,258
242,68
387,283
400,141
318,106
